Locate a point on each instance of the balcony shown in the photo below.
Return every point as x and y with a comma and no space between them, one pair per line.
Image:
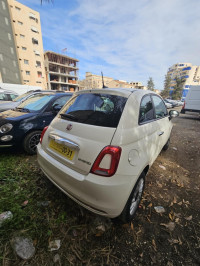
68,66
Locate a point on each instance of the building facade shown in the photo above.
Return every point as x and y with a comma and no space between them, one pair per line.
190,73
9,64
28,42
61,72
93,81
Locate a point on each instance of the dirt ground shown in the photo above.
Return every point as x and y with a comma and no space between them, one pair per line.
169,238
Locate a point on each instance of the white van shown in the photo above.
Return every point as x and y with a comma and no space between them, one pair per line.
192,100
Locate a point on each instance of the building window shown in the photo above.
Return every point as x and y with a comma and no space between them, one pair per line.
26,62
39,74
37,52
6,21
38,82
3,5
38,63
32,16
26,80
17,8
27,72
34,41
34,29
11,50
20,23
24,48
22,36
9,36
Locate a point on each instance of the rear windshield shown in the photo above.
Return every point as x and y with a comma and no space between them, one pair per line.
95,109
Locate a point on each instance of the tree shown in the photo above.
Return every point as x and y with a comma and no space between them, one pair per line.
150,84
167,83
177,92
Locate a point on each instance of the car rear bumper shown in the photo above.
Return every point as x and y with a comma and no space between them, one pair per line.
105,196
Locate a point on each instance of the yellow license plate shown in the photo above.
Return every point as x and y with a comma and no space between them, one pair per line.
62,149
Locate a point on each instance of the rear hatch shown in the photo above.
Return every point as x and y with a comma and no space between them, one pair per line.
83,128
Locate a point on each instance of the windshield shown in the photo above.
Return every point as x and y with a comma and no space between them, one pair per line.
21,97
95,109
35,103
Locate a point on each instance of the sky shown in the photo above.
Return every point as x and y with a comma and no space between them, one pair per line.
128,40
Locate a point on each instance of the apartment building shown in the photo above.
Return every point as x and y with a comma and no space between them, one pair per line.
138,85
95,81
61,71
9,65
190,73
28,42
119,84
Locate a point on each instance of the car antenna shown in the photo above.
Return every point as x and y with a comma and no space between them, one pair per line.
103,81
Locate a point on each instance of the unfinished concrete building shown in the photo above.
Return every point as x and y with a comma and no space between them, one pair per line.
61,71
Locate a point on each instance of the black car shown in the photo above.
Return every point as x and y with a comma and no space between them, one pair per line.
24,124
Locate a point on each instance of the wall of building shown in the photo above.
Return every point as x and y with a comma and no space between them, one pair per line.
9,66
28,39
95,81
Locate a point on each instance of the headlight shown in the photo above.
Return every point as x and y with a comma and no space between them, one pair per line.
6,128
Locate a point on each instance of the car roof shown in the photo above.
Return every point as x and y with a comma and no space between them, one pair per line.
53,93
117,91
7,92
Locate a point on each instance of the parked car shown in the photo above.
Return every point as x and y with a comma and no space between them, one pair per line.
6,105
173,103
168,105
24,124
101,145
6,95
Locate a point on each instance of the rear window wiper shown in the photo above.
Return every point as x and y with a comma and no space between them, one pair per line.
71,117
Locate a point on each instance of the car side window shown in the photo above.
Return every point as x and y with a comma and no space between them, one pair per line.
2,97
13,96
146,110
62,100
160,108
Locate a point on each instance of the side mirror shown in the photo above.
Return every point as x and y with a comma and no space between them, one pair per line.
173,113
56,108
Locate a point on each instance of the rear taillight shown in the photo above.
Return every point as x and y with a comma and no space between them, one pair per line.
107,161
42,135
183,107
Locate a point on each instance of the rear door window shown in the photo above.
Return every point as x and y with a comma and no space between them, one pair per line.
95,109
146,110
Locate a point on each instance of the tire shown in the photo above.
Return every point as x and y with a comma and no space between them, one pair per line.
31,141
133,200
166,146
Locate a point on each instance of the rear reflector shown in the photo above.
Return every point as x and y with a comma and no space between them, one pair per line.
42,135
115,153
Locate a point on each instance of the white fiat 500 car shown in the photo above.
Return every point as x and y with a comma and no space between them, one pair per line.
101,145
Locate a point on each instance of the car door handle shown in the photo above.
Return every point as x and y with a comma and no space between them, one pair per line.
161,133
